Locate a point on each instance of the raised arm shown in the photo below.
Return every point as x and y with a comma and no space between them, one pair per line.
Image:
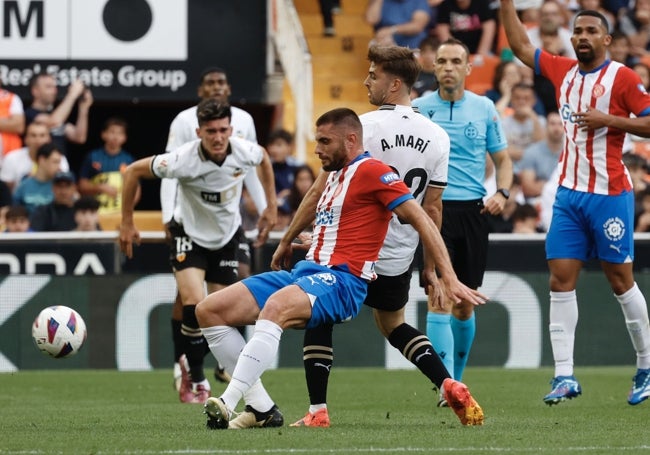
78,133
516,34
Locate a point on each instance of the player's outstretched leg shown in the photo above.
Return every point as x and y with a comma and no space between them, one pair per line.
461,401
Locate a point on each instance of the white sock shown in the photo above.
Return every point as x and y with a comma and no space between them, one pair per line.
255,358
258,397
313,408
635,311
225,343
563,319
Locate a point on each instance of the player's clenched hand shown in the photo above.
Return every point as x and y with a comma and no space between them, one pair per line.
267,221
128,236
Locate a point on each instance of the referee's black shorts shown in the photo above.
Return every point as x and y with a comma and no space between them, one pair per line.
465,231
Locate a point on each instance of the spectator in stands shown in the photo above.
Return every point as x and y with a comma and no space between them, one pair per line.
22,162
426,81
86,214
620,49
506,75
5,203
44,92
642,223
635,23
327,10
12,122
401,22
17,219
525,219
637,167
303,179
552,26
541,158
101,171
471,21
280,148
524,126
36,189
58,215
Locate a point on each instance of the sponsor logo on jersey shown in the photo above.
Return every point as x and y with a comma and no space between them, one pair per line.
389,177
324,218
614,229
212,198
225,263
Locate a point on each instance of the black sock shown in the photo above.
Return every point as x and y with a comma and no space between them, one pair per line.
417,349
318,356
193,343
177,339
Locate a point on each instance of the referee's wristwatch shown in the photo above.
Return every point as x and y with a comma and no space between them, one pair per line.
505,192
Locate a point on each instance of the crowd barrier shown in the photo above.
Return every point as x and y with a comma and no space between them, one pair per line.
127,306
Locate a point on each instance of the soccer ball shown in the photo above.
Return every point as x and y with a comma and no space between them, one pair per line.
59,331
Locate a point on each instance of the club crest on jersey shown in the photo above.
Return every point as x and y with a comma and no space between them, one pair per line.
237,172
180,257
614,229
389,178
598,90
471,132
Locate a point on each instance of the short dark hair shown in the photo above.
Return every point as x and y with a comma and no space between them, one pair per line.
281,134
456,42
86,203
46,150
34,79
210,109
523,212
341,116
592,13
430,42
398,61
210,70
16,211
114,121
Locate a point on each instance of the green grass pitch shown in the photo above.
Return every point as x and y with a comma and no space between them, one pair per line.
372,411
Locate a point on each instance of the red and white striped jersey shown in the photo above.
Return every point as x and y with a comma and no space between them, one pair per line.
592,160
353,213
